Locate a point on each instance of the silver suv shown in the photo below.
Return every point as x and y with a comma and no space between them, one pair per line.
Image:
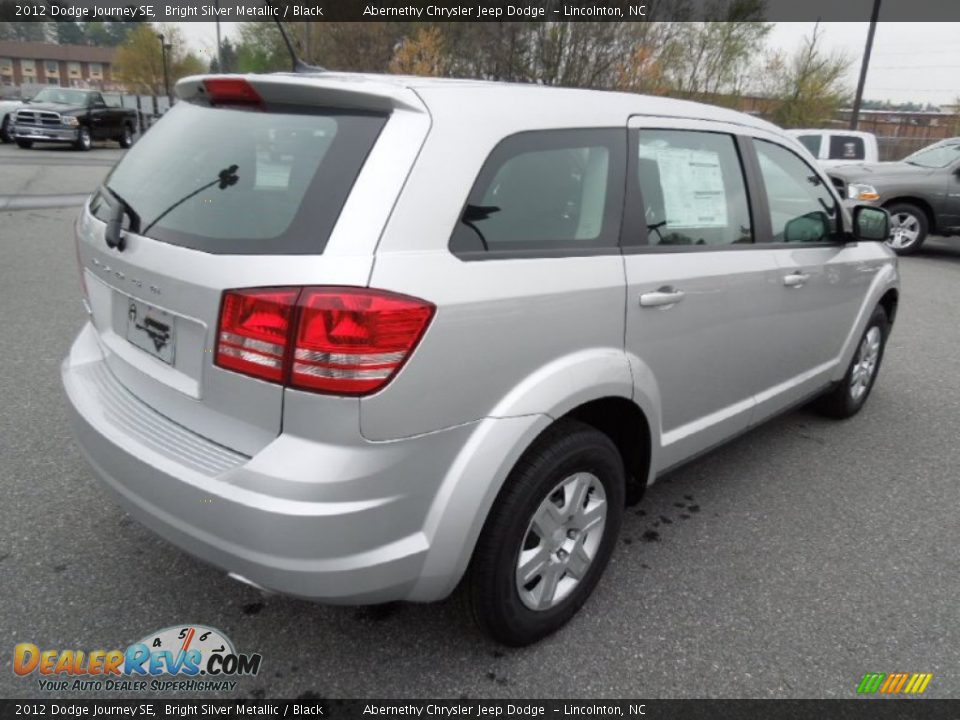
363,339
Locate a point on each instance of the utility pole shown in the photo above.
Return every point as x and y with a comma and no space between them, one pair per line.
164,47
219,46
855,115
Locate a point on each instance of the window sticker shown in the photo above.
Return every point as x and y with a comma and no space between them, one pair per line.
692,183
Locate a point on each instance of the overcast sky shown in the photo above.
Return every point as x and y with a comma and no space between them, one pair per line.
917,61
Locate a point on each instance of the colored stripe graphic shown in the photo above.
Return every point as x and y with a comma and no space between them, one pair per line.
918,683
871,682
894,683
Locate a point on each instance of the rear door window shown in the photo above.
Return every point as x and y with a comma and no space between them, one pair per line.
554,191
846,147
244,182
693,188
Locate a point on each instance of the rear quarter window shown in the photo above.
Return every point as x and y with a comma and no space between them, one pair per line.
234,181
551,191
811,143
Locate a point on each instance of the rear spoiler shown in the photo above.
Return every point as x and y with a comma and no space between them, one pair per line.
338,90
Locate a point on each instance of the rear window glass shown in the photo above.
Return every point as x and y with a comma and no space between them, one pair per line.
846,147
243,182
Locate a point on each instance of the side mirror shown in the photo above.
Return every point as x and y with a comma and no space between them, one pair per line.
812,227
871,223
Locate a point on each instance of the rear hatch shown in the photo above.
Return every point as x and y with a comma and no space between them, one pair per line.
257,182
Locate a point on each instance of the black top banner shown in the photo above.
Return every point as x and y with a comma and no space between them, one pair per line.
475,10
479,709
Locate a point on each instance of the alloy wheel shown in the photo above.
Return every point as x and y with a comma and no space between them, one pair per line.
865,363
904,230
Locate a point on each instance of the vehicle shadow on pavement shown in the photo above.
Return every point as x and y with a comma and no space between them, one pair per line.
941,249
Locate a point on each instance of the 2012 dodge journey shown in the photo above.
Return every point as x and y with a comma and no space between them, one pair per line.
366,338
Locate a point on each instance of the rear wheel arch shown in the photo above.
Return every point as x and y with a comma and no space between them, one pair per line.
627,426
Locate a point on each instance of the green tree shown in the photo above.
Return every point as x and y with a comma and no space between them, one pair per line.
105,34
260,49
118,31
809,85
19,30
139,61
71,33
229,54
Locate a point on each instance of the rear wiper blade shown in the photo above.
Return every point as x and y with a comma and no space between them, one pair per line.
227,177
118,208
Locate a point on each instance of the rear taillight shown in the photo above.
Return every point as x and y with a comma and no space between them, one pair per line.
352,340
336,340
254,331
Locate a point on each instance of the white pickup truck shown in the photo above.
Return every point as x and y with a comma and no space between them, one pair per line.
839,147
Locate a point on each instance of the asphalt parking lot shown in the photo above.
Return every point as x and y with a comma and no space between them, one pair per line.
786,564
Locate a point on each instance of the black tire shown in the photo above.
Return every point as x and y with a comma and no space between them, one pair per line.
84,141
842,402
491,588
5,135
910,216
25,144
126,140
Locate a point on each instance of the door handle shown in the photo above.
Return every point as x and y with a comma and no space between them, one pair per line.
796,279
661,297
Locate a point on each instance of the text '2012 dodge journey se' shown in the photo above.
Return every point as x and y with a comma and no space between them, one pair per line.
361,338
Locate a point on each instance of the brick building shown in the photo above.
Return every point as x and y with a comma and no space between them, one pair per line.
39,63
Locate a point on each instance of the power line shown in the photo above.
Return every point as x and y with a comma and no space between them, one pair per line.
914,52
913,67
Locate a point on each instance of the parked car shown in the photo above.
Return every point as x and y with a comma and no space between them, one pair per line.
76,117
921,192
443,333
7,108
832,148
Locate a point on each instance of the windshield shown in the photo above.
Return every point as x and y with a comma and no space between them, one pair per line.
62,96
241,181
935,156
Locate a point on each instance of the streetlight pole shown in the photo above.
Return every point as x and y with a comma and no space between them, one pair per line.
219,46
164,46
855,114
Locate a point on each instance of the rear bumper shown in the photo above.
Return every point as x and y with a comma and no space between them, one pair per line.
61,135
339,524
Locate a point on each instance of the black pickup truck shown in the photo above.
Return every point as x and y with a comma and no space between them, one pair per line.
77,117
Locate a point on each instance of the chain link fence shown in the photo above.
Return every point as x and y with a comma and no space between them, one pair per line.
897,148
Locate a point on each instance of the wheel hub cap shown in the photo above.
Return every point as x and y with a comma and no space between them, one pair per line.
561,541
